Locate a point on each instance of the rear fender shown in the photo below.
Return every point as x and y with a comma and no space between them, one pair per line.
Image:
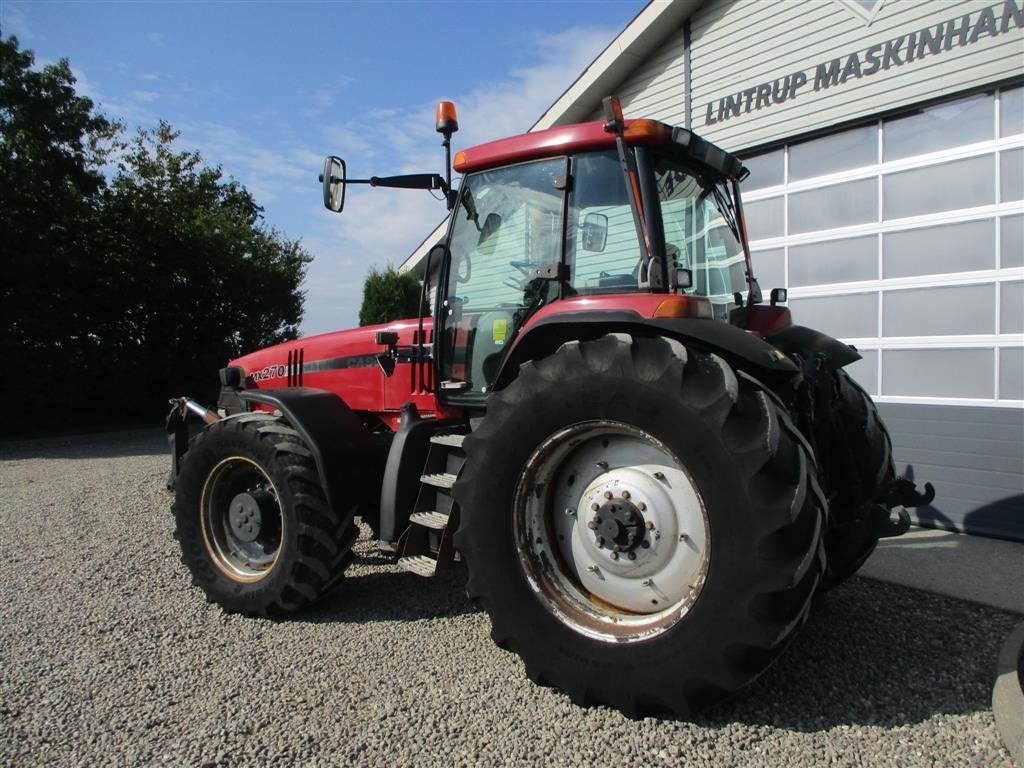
339,441
811,345
742,350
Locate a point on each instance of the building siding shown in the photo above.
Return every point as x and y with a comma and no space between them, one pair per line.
973,456
655,89
738,44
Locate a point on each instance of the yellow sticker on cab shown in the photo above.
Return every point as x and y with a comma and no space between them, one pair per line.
499,331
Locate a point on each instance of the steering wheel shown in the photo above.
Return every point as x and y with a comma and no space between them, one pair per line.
526,269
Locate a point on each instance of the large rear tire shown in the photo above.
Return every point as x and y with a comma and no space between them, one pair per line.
642,525
255,529
859,467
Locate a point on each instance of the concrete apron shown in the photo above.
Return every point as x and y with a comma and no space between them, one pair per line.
1008,695
974,568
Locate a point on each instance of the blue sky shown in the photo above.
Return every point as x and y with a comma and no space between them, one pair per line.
266,89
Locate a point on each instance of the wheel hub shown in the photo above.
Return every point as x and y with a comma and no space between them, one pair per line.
619,525
245,514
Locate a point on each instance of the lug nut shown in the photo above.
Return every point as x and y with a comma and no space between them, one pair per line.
641,506
615,555
650,525
600,542
608,494
595,506
616,548
631,555
591,525
625,494
645,544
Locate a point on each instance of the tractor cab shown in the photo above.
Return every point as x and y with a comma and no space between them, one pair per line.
595,213
526,235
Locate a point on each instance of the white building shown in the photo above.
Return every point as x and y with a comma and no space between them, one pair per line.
885,140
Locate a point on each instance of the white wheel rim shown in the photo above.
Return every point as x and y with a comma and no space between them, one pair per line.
611,531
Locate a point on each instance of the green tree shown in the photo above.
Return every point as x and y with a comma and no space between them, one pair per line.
52,151
117,294
193,276
389,295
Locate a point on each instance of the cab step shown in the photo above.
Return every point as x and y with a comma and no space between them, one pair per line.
453,440
426,546
431,519
439,480
421,565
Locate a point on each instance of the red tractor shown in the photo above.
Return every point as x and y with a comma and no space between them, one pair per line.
647,471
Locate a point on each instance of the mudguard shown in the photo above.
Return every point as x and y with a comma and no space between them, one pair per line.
333,432
809,343
742,350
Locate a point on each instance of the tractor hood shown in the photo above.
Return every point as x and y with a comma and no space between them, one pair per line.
295,363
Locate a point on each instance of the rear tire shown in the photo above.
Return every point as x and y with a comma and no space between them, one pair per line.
735,478
859,467
255,529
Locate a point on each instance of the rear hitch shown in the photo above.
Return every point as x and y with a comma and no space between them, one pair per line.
900,493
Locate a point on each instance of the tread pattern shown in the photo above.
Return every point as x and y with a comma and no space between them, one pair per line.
786,519
310,563
859,466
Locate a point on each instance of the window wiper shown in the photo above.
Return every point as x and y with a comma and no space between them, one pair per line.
726,207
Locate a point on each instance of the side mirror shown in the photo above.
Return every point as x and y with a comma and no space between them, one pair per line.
684,278
778,296
491,226
333,179
595,232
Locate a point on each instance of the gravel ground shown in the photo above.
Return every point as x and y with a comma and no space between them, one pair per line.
109,657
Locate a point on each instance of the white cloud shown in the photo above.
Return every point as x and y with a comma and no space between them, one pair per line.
14,22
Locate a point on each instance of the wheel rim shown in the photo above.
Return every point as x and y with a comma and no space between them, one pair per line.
611,531
241,519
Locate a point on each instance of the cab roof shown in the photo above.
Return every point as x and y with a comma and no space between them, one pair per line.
591,137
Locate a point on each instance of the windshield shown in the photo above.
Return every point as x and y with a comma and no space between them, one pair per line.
701,233
507,227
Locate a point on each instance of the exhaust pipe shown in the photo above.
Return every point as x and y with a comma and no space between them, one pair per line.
185,404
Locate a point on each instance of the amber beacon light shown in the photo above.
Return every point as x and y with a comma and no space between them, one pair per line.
447,117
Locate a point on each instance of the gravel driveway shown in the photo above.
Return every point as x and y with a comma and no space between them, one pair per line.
109,657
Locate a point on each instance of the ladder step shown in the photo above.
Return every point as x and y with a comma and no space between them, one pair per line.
435,520
418,564
452,441
439,479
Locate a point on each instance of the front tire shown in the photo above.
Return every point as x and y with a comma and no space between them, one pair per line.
255,529
705,492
